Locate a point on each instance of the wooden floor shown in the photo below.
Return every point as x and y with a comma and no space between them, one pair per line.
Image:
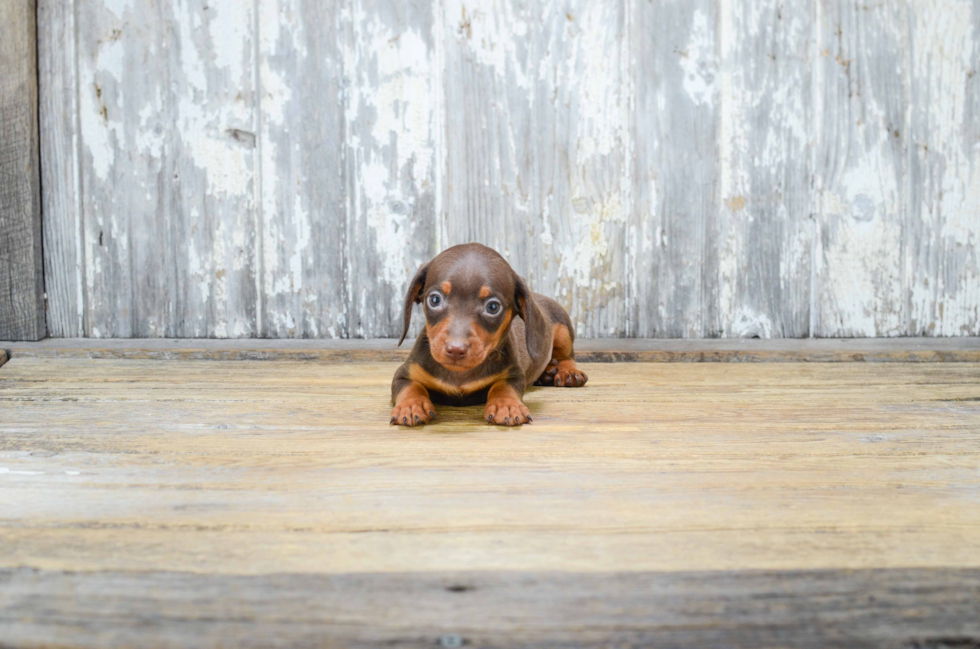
250,504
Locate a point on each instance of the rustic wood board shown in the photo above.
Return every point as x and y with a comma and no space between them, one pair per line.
229,503
901,609
22,304
594,350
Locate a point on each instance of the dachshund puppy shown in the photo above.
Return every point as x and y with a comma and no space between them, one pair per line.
473,349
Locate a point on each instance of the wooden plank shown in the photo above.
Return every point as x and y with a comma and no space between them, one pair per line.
260,468
675,179
492,50
536,147
391,105
303,225
582,127
127,165
761,241
166,109
929,609
213,105
199,504
861,168
21,266
595,350
60,168
943,239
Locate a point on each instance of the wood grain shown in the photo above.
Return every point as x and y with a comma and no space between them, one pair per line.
675,178
537,146
861,169
904,609
206,503
652,467
596,350
391,105
761,239
942,276
60,168
22,308
302,247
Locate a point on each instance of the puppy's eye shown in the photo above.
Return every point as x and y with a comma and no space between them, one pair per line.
435,300
493,307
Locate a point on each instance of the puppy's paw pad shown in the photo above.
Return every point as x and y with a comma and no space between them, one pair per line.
574,378
412,412
506,412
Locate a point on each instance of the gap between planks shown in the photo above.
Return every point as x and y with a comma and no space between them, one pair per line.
596,350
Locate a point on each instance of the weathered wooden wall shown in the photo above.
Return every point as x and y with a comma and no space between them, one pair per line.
690,168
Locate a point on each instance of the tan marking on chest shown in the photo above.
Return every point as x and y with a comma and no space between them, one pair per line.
416,373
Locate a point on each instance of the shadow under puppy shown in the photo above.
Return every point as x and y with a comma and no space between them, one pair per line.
473,349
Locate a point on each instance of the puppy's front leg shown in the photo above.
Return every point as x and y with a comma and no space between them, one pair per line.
504,405
412,404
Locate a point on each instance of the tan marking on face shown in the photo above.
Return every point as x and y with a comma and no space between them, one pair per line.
489,341
418,374
438,334
561,342
447,287
484,292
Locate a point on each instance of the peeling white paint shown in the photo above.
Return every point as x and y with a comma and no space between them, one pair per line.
699,61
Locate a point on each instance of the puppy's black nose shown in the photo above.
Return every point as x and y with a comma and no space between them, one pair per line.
456,350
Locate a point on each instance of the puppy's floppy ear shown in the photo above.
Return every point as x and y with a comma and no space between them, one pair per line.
528,311
522,297
414,296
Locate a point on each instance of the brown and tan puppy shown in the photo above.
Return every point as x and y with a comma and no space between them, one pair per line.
486,338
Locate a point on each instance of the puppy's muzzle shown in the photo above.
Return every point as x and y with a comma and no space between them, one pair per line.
457,350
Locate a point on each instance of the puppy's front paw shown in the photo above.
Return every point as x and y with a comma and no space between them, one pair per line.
506,411
571,378
411,411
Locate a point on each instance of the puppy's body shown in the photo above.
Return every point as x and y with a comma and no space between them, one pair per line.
486,339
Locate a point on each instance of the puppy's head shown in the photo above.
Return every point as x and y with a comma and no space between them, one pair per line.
469,294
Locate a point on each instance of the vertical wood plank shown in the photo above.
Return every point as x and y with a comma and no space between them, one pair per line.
124,104
21,264
860,171
390,120
760,243
60,197
582,124
943,240
675,177
211,55
537,139
165,103
303,206
491,141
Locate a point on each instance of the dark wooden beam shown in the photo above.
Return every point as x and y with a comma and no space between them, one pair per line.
21,263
